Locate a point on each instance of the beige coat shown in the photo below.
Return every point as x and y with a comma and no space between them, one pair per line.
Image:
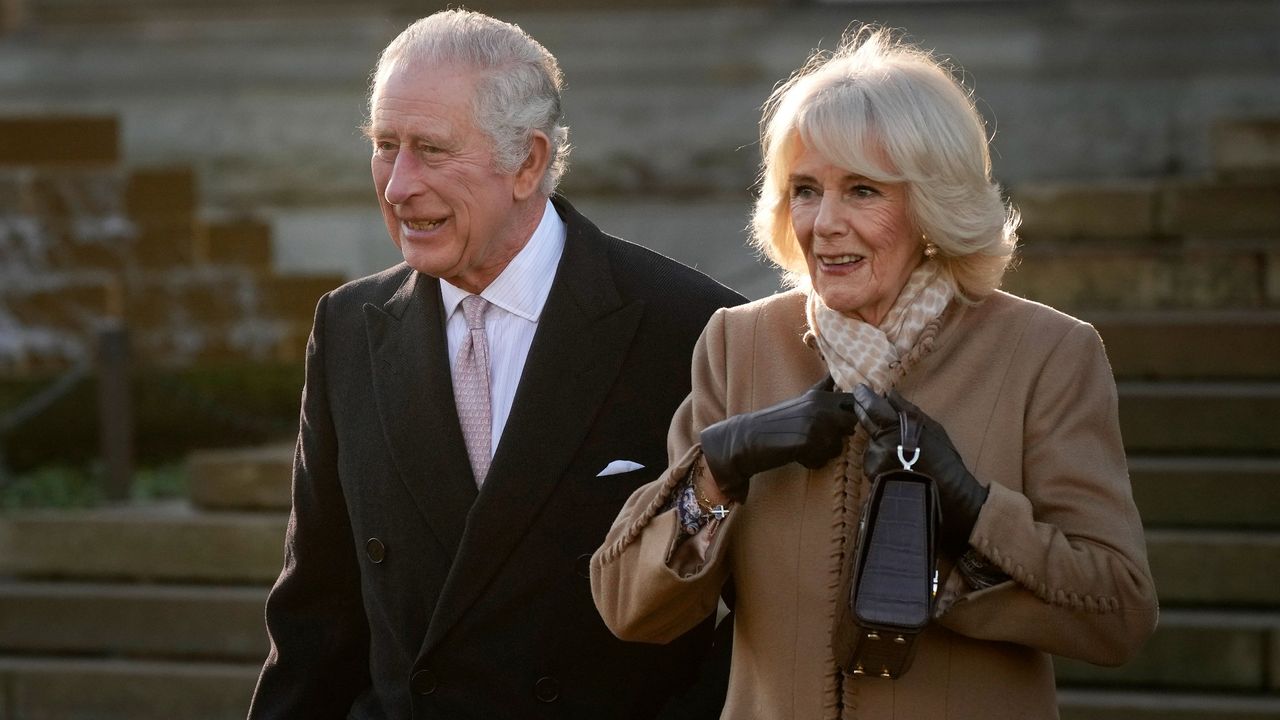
1027,397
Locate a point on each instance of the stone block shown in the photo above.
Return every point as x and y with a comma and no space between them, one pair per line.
1191,345
1220,210
1223,492
155,543
1273,674
72,304
133,620
163,242
1271,279
1189,650
112,689
1248,149
1093,704
245,243
59,140
1080,280
241,479
294,297
1216,568
1095,210
166,192
1200,417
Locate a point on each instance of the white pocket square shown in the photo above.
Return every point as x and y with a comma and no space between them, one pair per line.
619,466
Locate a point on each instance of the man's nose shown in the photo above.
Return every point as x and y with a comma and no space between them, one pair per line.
405,180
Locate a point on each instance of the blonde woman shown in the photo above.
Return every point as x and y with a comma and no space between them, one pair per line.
878,203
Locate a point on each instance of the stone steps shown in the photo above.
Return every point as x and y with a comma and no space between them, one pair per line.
223,623
168,543
1200,417
112,689
1206,492
1195,650
1088,704
241,478
1191,567
1196,345
1170,489
1215,567
139,690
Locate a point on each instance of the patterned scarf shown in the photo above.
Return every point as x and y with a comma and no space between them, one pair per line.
857,352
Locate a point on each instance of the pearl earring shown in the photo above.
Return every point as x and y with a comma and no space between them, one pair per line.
930,249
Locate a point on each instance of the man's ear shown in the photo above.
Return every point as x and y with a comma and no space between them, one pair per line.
529,175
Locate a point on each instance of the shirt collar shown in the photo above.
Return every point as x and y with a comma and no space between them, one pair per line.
524,284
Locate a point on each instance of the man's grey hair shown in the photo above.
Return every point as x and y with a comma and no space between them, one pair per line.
519,84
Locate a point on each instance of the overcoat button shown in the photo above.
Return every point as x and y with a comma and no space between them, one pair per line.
547,689
423,682
582,565
376,550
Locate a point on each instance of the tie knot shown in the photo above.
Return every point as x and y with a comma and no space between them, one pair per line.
473,311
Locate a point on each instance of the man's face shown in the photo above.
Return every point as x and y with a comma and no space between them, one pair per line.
451,213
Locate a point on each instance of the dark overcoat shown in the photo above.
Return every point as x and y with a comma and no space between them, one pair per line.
408,593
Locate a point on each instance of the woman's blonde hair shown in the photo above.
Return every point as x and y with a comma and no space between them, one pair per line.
891,112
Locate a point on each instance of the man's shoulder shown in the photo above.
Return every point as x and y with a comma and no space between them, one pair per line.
644,273
651,272
377,288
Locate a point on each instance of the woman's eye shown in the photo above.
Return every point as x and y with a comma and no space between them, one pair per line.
801,192
865,191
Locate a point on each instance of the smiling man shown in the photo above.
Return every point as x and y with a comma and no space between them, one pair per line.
474,418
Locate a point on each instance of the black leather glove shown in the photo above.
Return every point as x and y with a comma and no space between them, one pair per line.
809,429
960,495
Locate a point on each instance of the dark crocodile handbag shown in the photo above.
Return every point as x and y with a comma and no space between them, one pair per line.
888,589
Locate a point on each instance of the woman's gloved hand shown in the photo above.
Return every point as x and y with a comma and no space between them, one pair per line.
959,493
809,429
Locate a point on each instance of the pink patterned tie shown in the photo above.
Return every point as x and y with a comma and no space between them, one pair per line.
471,387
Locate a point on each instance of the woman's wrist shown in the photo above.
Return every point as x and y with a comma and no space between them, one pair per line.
706,490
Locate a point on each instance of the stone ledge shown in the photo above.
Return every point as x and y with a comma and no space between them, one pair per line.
1246,148
224,623
1227,344
248,479
59,140
124,690
1217,568
1082,704
156,543
1200,417
1192,650
1172,491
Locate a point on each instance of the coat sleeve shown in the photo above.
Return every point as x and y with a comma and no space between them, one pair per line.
319,658
1071,540
639,595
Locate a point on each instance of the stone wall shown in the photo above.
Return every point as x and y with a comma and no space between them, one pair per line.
84,242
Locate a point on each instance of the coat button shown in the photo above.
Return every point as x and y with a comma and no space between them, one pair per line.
376,550
582,565
547,690
423,682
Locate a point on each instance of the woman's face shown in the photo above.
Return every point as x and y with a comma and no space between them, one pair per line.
856,238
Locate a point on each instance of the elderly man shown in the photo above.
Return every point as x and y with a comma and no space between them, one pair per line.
474,417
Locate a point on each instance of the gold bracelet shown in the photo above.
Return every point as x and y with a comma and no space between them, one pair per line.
717,511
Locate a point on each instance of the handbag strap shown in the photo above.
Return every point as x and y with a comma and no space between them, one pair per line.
909,439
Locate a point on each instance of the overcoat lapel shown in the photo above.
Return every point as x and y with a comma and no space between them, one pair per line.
413,389
582,339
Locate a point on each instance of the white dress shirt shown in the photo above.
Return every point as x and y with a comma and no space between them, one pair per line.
517,297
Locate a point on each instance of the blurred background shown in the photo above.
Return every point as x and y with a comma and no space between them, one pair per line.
181,180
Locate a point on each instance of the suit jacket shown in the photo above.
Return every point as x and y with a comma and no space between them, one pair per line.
407,593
